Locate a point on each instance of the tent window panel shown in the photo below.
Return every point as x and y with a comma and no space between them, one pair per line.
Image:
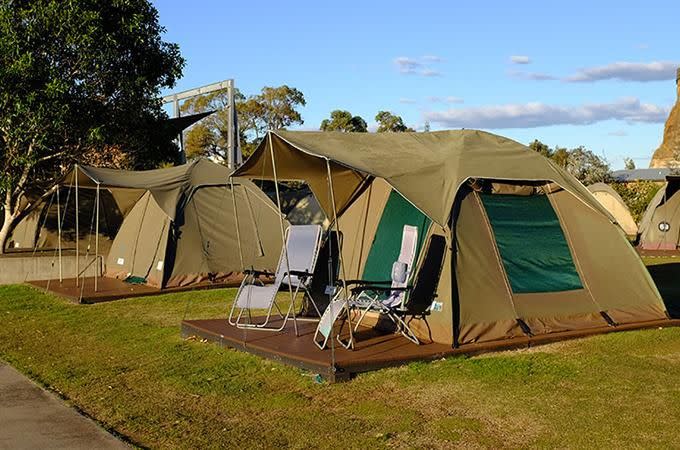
387,241
534,251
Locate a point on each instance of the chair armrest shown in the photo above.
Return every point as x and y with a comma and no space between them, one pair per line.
258,272
299,273
363,288
364,282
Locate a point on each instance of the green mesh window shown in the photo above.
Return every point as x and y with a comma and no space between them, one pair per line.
533,248
387,241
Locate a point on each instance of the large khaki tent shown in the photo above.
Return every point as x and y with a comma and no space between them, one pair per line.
613,203
660,225
519,247
173,226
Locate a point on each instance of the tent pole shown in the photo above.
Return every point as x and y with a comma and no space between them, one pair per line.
96,243
61,277
342,263
283,236
75,174
238,231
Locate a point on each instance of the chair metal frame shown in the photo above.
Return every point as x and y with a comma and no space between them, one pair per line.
299,279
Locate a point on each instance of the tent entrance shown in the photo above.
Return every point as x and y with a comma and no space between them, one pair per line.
138,252
387,241
531,243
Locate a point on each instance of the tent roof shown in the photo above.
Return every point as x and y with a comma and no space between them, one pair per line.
168,186
604,187
426,168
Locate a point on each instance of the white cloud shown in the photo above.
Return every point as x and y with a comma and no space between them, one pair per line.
407,101
430,73
432,58
641,46
520,59
449,99
414,66
532,115
618,133
407,65
531,76
626,71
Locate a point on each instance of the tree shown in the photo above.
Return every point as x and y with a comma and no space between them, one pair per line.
272,109
582,163
77,78
587,167
629,164
344,121
541,148
388,122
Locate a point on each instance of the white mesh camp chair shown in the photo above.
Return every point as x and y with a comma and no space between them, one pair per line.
385,297
302,244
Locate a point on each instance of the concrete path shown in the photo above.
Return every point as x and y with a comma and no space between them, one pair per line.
31,417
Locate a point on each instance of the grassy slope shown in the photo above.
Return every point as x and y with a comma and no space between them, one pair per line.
125,364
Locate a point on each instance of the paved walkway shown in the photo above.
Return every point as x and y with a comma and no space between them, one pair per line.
31,417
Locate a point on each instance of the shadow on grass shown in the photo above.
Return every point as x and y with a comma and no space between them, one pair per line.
667,279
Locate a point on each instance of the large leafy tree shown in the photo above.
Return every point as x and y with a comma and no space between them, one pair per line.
582,163
388,122
344,121
272,109
77,79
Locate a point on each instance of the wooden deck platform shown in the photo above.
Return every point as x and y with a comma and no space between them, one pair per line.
109,289
374,350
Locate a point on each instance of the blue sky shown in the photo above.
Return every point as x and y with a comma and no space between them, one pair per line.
567,73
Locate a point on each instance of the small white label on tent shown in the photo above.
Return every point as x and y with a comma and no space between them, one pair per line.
120,261
159,266
17,245
436,306
330,290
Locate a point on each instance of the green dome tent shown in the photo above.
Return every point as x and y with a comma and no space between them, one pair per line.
520,242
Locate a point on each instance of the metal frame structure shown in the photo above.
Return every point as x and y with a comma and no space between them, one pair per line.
233,151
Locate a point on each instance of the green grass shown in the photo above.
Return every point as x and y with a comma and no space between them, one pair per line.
125,364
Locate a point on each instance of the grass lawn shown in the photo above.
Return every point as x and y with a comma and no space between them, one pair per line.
125,364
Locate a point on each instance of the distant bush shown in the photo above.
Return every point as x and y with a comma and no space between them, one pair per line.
637,195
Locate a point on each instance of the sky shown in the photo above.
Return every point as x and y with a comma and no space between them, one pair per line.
598,74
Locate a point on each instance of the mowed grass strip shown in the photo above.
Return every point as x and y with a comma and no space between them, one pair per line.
125,364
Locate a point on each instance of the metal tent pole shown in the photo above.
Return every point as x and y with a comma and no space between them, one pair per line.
61,275
96,243
75,174
238,231
283,234
231,138
342,263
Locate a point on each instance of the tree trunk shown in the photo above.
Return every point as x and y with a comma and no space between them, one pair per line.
7,224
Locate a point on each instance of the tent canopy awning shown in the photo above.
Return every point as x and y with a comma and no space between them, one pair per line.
426,168
167,186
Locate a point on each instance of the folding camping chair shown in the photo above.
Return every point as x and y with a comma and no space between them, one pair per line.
301,245
388,298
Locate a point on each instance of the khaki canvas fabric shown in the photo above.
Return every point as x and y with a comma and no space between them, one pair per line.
140,246
38,229
613,202
663,213
358,226
415,164
441,173
181,227
207,246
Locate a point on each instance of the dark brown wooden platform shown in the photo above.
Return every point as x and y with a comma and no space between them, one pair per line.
109,289
374,350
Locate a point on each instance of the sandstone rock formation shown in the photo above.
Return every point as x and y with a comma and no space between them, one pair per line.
668,153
